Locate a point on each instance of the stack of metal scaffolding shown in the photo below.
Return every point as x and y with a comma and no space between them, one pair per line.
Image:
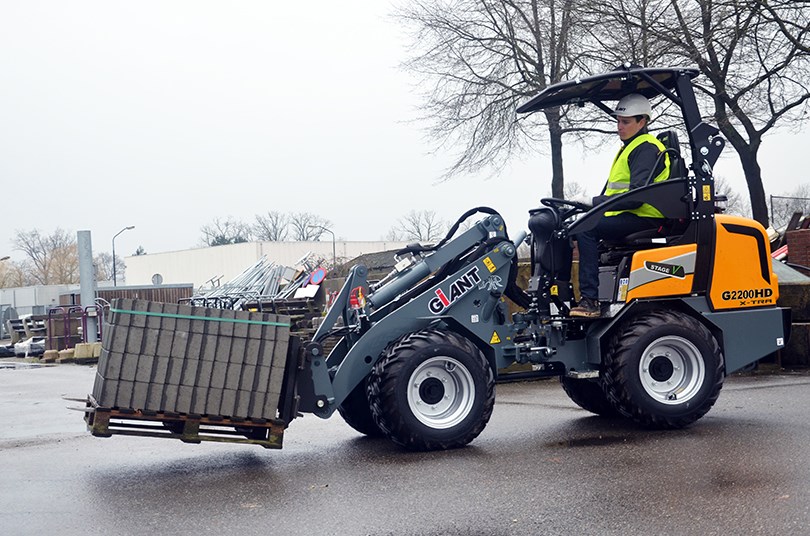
265,281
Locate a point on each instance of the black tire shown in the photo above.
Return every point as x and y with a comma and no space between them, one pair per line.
432,390
356,411
589,395
663,369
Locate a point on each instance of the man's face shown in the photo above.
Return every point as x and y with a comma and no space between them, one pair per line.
629,126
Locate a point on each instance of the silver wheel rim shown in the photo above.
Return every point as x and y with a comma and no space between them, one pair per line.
441,392
672,370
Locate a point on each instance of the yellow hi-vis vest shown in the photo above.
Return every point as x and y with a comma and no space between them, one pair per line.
619,179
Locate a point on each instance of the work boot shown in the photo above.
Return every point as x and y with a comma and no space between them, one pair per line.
587,308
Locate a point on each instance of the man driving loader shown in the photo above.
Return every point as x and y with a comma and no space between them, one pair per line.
638,160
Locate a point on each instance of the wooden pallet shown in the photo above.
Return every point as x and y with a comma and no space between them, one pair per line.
106,422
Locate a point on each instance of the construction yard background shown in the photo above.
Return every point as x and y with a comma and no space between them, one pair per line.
299,279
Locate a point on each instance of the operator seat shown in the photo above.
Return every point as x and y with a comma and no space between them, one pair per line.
612,251
677,165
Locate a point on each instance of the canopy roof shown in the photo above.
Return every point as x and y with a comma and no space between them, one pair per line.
610,86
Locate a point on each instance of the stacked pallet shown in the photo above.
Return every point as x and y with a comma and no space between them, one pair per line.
169,358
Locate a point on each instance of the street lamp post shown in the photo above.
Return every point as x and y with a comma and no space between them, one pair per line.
115,280
334,257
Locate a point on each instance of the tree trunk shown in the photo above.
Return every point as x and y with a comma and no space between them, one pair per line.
753,177
747,151
555,140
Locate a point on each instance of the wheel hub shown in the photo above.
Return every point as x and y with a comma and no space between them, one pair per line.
672,370
441,392
661,368
431,391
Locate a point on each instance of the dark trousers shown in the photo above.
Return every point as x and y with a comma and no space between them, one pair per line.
609,228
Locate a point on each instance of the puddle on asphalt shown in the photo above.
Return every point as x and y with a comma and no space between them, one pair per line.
597,441
11,365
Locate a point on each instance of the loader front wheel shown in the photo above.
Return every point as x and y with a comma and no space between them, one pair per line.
432,390
663,369
356,411
589,395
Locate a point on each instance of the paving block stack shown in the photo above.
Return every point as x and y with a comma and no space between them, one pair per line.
174,358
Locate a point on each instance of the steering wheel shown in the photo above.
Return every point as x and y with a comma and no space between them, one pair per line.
557,203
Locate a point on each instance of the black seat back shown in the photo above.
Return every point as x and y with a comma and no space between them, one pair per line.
677,165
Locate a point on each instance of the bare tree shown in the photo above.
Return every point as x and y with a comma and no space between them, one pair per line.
393,235
735,202
481,59
574,191
104,268
14,274
272,226
793,19
419,225
50,259
307,226
784,205
225,231
755,76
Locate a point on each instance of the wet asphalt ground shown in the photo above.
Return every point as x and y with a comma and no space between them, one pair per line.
542,466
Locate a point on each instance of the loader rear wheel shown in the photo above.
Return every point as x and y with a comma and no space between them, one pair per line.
589,395
356,411
432,390
663,369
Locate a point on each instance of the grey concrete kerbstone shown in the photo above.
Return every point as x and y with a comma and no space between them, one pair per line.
253,351
123,397
195,345
218,373
170,397
226,327
108,391
139,393
204,372
164,347
228,406
160,373
169,323
134,340
144,369
129,367
184,395
155,319
238,350
199,401
150,342
233,372
242,404
223,350
175,371
247,378
213,401
154,398
179,343
190,367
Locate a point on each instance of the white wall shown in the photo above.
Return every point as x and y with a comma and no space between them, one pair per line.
199,266
24,299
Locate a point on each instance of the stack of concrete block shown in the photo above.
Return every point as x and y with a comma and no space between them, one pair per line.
192,360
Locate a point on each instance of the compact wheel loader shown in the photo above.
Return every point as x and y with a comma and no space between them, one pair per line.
415,356
683,306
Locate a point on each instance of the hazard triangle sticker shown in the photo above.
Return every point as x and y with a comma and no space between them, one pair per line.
495,339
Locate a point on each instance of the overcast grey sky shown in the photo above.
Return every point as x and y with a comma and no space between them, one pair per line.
167,114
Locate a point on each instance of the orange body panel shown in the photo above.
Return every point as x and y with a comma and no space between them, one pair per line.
665,271
742,275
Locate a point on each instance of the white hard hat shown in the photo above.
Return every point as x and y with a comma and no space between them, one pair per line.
632,105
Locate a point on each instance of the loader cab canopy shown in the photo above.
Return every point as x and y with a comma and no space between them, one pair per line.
675,84
611,86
